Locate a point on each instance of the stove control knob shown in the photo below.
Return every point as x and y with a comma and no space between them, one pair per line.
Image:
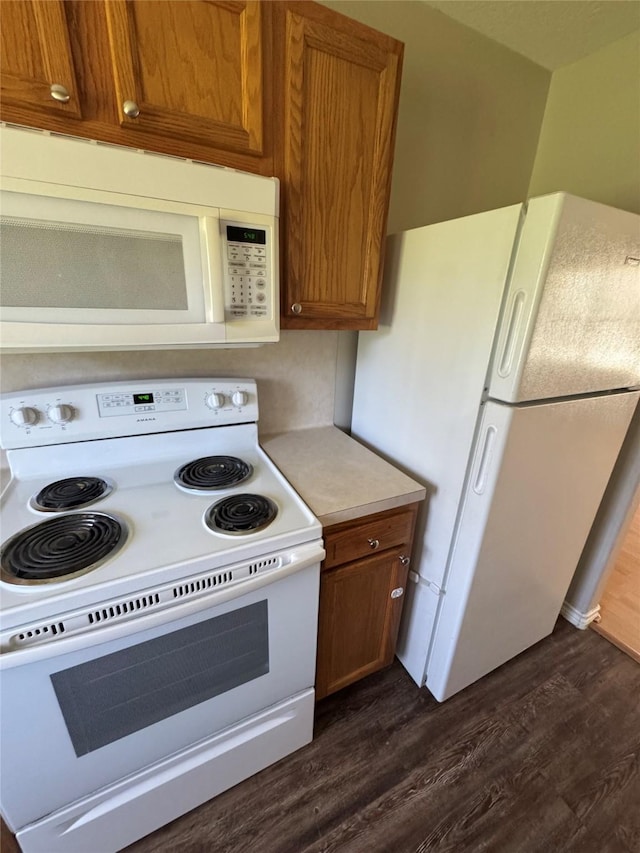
60,414
215,400
24,416
240,398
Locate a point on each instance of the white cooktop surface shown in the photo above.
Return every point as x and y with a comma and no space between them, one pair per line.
168,538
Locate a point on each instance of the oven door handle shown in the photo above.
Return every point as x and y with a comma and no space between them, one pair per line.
302,557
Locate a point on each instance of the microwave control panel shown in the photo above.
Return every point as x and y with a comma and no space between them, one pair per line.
247,272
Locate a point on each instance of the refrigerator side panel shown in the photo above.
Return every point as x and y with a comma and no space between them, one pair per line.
535,485
571,323
414,638
420,377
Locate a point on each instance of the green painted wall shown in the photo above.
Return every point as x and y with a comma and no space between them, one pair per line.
469,118
590,138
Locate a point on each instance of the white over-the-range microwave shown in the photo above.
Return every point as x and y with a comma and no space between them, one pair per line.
105,247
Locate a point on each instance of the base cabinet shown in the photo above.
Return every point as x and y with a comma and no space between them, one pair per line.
361,596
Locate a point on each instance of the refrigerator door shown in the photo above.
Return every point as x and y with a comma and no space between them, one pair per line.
536,479
420,377
571,320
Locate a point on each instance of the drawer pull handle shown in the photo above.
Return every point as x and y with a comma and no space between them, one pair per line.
374,543
404,560
397,592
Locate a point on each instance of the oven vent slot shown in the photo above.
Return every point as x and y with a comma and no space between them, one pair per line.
270,563
123,608
222,578
208,582
41,631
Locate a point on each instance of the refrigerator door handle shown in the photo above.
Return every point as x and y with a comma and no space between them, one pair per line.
486,455
511,338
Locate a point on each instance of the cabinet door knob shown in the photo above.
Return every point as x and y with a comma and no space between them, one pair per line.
296,308
59,93
131,109
404,560
397,592
374,543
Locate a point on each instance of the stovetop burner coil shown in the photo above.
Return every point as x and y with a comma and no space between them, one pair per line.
238,514
213,472
62,548
71,493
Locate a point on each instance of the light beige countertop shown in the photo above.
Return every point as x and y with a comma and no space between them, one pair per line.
338,477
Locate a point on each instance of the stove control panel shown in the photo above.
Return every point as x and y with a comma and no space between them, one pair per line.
116,409
138,402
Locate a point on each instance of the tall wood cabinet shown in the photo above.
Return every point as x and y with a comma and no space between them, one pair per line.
286,88
362,587
339,94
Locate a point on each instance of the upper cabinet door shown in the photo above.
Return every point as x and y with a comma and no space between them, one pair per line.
190,70
38,75
339,103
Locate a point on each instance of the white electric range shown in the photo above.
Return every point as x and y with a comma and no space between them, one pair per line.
158,596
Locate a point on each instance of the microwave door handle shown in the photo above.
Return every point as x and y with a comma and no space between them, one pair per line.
213,270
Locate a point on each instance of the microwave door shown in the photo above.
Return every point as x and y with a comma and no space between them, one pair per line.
73,261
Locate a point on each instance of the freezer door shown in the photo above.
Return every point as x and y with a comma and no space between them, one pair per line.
536,480
571,318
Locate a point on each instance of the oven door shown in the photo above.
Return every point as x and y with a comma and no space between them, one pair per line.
121,698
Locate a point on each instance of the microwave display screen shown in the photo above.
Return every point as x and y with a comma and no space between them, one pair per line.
138,399
246,235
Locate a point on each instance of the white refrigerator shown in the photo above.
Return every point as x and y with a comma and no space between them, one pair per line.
503,376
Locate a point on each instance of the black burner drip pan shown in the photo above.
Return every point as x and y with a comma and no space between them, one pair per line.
61,548
213,472
241,514
71,493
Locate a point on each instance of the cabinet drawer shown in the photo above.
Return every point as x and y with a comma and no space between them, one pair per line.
351,541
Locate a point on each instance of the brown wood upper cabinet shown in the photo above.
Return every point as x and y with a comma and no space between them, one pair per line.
339,93
38,75
192,70
184,77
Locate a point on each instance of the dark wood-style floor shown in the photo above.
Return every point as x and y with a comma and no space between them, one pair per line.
541,756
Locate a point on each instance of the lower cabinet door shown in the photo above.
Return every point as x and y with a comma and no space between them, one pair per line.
360,608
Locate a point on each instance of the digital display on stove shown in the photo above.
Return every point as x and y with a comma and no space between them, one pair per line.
246,235
141,399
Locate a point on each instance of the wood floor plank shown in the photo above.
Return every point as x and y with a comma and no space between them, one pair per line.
620,602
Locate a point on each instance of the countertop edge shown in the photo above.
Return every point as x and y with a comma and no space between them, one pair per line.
363,510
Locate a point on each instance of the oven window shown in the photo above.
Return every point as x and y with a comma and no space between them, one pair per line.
118,694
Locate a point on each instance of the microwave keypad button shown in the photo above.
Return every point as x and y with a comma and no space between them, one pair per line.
247,278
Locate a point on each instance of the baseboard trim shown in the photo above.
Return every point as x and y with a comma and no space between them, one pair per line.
577,617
